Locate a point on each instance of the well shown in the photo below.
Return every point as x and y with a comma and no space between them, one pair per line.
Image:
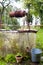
14,41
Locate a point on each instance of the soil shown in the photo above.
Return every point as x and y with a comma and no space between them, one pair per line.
27,63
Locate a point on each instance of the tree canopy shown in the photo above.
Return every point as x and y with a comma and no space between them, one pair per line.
36,7
9,23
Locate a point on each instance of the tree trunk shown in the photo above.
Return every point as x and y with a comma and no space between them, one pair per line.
28,25
23,24
1,14
0,21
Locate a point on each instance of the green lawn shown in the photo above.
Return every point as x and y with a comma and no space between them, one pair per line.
39,38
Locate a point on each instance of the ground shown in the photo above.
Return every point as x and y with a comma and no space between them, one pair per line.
27,63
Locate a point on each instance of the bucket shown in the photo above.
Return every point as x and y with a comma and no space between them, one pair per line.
35,55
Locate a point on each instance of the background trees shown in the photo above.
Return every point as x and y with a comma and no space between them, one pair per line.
35,7
4,4
5,21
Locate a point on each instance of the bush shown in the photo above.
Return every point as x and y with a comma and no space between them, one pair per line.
2,63
2,58
10,58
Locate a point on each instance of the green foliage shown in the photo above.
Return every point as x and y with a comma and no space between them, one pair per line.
11,64
2,63
36,7
1,58
39,39
41,63
10,23
29,18
10,58
19,54
15,24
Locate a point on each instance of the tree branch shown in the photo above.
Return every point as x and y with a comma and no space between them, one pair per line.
1,3
7,4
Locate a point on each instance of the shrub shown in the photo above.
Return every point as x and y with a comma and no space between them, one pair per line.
2,63
10,58
2,58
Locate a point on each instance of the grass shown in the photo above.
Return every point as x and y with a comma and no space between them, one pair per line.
39,39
